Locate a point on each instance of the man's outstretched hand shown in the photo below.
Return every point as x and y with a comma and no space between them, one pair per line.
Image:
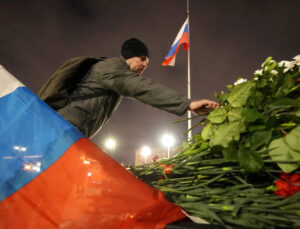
202,106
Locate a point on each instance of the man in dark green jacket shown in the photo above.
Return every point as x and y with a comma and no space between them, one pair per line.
102,88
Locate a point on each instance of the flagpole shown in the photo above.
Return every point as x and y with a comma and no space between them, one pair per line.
189,71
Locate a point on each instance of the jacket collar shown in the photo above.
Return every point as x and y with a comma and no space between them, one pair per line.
123,61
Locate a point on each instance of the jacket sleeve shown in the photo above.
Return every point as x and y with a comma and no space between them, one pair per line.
132,85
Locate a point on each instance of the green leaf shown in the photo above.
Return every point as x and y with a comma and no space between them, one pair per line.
293,116
292,139
243,127
286,85
296,113
251,115
271,65
240,93
207,131
204,146
222,97
267,61
230,153
260,138
235,114
283,102
250,160
256,99
225,134
230,87
288,125
253,128
198,138
279,151
272,122
218,115
294,89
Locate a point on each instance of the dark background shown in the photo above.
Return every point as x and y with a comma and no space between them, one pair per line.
228,39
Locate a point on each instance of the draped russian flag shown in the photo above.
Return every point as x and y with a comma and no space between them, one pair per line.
181,38
53,177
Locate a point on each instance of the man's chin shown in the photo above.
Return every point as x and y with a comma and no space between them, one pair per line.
140,72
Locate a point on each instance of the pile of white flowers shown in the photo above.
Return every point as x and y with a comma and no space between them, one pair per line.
288,65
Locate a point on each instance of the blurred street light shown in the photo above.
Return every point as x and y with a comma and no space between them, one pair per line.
167,140
146,151
110,144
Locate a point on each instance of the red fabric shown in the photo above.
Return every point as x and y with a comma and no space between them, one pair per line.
288,185
86,188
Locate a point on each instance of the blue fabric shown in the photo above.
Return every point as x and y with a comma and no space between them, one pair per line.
32,137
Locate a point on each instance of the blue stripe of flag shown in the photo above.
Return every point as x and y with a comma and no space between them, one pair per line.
174,46
32,137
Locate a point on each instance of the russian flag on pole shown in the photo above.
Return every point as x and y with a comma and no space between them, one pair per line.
181,38
52,177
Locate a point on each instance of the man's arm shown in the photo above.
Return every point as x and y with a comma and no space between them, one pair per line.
130,84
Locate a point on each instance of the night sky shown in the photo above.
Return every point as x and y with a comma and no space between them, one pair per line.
228,39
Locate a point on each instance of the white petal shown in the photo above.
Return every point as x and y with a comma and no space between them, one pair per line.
240,81
287,65
274,72
258,72
297,59
283,63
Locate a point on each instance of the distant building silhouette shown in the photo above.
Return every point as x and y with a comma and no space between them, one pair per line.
156,154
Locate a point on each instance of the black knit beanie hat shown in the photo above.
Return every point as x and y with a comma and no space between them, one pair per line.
134,47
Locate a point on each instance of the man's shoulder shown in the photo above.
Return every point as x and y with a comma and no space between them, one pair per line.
112,64
115,60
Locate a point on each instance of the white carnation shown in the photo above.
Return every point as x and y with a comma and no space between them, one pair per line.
297,59
274,72
283,63
258,72
239,81
288,65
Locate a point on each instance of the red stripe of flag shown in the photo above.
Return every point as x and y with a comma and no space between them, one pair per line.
85,188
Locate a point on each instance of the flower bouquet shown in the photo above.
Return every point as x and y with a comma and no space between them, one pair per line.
243,168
